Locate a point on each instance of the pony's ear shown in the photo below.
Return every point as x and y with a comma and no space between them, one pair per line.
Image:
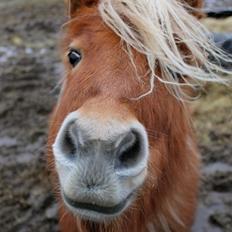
197,5
74,5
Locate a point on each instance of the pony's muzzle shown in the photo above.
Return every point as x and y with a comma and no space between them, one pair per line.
125,150
100,163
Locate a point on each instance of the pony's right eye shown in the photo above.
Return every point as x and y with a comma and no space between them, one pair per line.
74,57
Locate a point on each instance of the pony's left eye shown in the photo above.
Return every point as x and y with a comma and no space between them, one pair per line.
74,57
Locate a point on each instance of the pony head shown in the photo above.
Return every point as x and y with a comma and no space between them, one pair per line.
120,138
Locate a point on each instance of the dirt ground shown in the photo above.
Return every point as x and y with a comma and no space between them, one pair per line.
29,72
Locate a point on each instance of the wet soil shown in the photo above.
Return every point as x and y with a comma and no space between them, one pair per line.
29,72
216,4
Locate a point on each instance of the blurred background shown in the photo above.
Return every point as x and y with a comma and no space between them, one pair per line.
29,72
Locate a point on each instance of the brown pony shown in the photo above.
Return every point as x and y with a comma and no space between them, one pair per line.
121,147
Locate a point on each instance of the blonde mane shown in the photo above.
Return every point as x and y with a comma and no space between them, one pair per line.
159,29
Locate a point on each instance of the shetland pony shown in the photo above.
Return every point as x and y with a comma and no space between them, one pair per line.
121,147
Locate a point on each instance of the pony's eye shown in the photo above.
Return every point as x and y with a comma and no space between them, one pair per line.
74,57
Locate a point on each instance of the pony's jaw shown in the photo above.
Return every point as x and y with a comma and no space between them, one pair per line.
94,182
100,216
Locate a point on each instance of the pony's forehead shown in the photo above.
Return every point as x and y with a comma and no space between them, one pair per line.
88,28
83,27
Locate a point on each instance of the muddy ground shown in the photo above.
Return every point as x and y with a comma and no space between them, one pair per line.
29,72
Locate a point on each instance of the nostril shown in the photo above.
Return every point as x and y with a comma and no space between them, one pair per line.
69,141
130,151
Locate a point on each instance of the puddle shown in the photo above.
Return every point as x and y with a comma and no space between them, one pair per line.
216,167
6,53
8,142
200,224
